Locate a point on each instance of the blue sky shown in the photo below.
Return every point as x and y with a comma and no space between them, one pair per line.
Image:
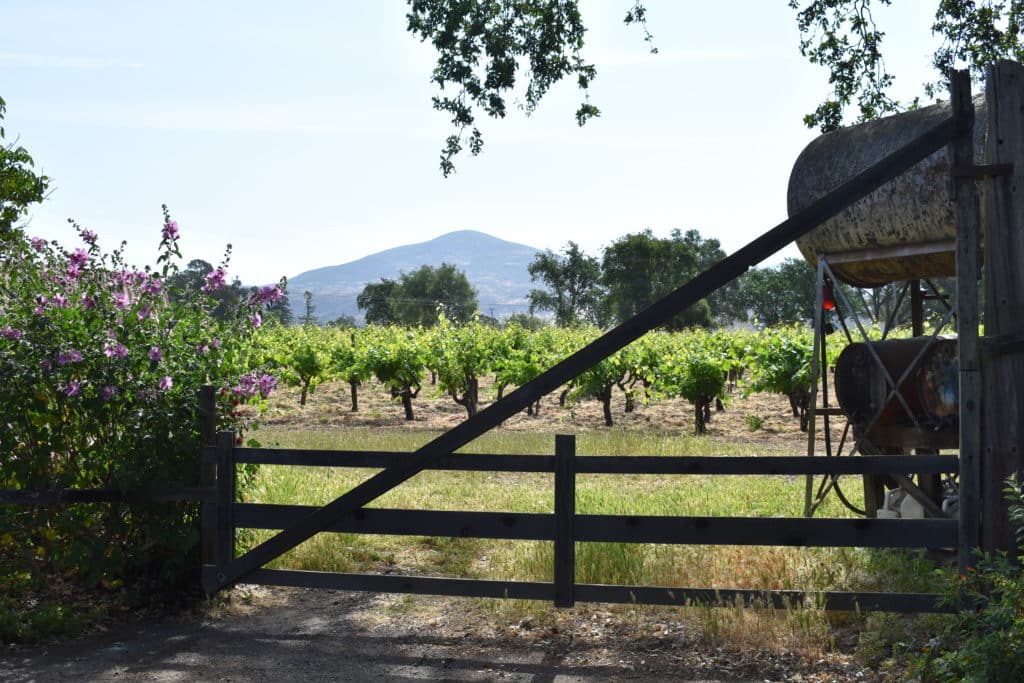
302,132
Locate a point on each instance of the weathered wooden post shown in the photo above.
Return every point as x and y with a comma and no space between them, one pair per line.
565,520
967,261
1003,357
226,483
207,475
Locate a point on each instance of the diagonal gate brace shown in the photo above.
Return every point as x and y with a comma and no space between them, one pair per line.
654,316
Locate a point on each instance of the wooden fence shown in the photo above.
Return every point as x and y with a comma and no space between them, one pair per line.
564,527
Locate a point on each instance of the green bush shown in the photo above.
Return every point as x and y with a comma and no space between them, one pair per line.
985,640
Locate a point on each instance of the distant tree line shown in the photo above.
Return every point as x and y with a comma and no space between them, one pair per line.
574,288
638,269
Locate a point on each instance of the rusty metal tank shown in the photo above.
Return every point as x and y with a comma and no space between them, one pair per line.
905,229
930,389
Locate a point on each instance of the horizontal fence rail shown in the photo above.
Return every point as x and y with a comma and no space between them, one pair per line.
614,464
640,595
776,531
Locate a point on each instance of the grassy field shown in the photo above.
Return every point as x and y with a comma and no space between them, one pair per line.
757,567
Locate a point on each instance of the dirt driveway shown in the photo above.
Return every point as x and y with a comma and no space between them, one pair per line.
285,634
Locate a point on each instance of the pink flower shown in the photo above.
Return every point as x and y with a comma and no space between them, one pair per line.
69,356
215,280
61,301
152,286
10,332
108,392
266,295
165,383
170,231
155,354
267,384
145,311
256,320
112,350
203,349
88,302
245,388
79,257
38,243
74,270
72,388
88,236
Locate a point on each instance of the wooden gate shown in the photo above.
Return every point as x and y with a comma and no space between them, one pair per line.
564,527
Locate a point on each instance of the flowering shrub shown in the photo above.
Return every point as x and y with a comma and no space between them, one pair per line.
101,366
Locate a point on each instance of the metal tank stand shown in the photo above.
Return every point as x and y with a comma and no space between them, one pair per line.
867,436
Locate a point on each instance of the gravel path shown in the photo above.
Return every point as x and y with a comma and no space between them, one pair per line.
280,634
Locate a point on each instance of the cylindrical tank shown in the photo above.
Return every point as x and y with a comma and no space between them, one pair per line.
903,230
930,390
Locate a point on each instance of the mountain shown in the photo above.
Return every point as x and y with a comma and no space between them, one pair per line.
495,267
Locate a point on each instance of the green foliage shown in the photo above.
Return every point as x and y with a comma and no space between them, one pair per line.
598,381
694,370
781,364
843,36
185,284
780,295
984,641
572,285
526,321
638,269
375,301
416,297
19,186
308,319
102,366
397,358
482,46
461,355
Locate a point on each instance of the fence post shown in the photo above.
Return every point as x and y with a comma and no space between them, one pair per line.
1003,360
967,256
565,520
207,475
225,498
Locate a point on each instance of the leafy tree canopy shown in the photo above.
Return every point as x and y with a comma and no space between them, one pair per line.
19,185
843,36
782,294
416,297
572,283
638,269
482,45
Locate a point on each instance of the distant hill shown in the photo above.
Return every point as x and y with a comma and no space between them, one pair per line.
496,268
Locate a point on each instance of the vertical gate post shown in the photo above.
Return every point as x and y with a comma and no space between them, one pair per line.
226,478
565,520
1003,360
816,373
968,229
207,475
